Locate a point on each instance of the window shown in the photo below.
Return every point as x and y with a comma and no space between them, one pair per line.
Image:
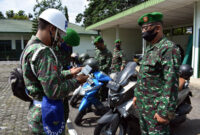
179,31
5,45
167,33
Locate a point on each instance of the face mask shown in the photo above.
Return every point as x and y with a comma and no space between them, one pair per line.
65,47
149,35
118,46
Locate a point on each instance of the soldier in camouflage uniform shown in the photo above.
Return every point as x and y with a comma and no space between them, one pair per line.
157,85
102,55
63,53
42,70
118,60
104,58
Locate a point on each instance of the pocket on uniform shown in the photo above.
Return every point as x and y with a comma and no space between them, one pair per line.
150,66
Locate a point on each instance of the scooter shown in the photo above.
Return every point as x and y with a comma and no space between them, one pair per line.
91,88
78,94
122,118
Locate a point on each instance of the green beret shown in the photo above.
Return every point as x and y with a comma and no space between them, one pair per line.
98,39
72,38
118,41
150,17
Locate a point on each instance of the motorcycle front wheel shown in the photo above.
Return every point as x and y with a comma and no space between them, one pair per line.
79,117
74,100
103,129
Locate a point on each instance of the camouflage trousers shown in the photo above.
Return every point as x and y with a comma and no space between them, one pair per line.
35,118
150,126
115,68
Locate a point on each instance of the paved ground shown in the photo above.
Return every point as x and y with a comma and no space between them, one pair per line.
13,112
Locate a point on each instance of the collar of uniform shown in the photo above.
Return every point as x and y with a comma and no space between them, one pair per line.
157,45
36,38
104,50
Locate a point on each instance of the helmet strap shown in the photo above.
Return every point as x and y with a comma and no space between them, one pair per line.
54,40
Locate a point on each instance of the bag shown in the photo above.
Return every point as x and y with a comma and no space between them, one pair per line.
17,85
53,116
16,79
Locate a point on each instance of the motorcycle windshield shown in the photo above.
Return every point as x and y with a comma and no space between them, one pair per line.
124,75
100,76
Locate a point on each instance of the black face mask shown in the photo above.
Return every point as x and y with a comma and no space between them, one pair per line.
149,35
118,47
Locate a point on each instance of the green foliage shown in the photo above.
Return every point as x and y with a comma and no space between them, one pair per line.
20,15
98,10
45,4
34,26
79,18
66,13
42,5
30,16
10,14
1,15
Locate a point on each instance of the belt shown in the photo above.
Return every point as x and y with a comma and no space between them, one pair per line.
37,103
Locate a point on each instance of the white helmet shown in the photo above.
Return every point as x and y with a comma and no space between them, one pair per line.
55,17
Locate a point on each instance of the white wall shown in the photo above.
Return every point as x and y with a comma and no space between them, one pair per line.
13,37
131,40
85,46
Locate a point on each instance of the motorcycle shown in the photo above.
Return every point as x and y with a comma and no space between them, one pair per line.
78,94
91,88
122,118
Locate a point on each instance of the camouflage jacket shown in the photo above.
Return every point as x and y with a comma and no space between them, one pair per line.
104,59
157,84
50,80
118,60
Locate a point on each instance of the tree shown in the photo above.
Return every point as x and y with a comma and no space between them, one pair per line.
10,14
20,15
79,18
1,15
30,15
43,5
66,13
98,10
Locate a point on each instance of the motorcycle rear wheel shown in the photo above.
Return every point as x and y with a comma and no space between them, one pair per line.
102,129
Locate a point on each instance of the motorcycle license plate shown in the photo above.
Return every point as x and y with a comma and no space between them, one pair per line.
113,85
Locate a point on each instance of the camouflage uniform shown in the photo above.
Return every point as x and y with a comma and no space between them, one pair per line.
118,61
157,86
104,59
50,81
64,58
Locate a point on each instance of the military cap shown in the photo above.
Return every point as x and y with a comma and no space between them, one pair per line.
150,17
72,38
118,41
98,39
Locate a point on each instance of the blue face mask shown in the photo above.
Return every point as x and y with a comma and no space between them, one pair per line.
65,47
